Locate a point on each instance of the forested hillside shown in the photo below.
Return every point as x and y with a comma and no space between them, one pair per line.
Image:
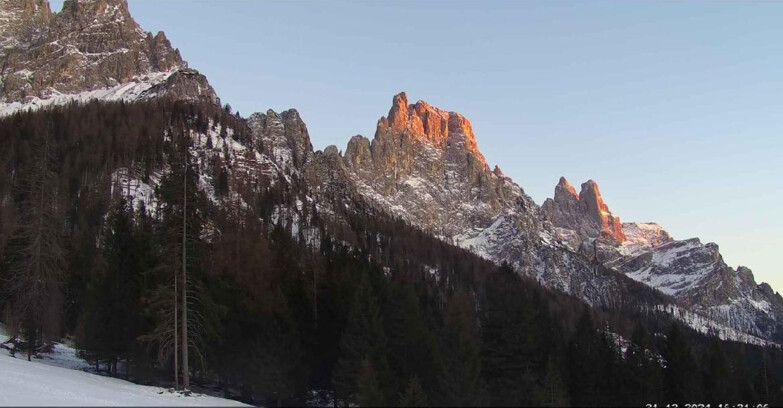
291,290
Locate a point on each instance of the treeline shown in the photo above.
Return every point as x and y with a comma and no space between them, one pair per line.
353,302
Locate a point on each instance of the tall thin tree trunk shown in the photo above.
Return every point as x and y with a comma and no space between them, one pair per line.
185,369
176,336
315,294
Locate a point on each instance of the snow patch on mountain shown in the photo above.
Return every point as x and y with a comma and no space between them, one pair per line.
127,183
642,236
710,327
138,88
673,269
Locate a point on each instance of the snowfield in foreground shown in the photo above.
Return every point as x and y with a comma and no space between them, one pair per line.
24,383
56,380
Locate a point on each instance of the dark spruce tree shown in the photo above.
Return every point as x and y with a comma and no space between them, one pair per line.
111,328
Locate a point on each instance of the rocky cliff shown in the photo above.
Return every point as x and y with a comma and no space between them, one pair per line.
90,49
585,214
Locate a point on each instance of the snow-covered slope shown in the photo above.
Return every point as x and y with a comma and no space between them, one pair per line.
60,378
138,88
24,383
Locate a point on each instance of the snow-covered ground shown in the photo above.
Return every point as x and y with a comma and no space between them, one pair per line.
56,380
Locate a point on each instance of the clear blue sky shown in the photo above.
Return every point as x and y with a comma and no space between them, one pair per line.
674,108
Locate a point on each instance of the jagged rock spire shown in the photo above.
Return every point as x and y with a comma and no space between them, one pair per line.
597,209
284,137
585,213
564,186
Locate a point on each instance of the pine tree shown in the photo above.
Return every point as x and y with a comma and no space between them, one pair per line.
508,341
362,347
413,396
680,373
181,328
368,389
411,345
112,320
461,351
584,363
553,392
717,383
35,264
276,359
643,382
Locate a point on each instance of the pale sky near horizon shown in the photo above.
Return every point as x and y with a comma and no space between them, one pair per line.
674,108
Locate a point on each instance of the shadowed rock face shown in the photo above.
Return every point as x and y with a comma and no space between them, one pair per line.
283,137
89,45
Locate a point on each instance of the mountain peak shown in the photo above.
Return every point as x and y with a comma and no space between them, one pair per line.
597,209
590,185
585,213
399,104
437,126
90,45
90,11
564,185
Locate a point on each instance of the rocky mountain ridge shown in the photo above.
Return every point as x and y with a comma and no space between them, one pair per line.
690,271
92,49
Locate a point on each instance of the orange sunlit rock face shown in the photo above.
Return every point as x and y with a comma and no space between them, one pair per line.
564,184
434,125
597,208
